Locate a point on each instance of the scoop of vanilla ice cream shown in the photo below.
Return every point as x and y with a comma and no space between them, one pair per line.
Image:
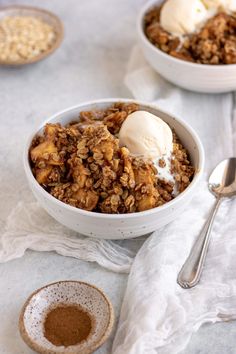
147,135
182,16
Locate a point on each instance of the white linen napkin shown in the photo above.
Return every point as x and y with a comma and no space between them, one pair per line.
30,227
157,315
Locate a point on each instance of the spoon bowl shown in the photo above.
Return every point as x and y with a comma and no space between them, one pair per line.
222,181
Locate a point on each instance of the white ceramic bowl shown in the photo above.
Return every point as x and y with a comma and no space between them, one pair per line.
121,226
191,76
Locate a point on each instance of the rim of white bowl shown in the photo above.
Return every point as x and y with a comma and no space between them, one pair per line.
143,37
47,195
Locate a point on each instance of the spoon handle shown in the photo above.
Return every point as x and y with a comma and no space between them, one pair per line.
190,272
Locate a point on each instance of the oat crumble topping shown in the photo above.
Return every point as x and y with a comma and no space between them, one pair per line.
215,43
83,165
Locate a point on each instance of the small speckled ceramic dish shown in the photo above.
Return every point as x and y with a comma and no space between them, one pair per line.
88,297
45,16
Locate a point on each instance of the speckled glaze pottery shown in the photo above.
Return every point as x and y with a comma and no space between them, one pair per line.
119,226
88,297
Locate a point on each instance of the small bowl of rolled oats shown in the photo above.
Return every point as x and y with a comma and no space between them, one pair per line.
191,43
27,34
114,168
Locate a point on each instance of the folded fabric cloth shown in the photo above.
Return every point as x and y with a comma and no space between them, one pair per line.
157,315
30,227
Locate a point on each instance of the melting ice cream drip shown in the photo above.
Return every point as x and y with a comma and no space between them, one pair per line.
150,138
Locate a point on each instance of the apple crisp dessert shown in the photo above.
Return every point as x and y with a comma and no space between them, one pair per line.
214,43
83,164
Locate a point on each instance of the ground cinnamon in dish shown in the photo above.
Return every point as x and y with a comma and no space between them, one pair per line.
67,325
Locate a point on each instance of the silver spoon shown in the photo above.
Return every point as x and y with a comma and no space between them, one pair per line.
222,183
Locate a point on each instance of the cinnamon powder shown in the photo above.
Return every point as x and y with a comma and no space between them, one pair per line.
67,325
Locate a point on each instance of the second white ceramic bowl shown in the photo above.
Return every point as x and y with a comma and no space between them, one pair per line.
191,76
121,226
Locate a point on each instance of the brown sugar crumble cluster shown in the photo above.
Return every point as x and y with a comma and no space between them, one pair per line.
215,43
83,165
